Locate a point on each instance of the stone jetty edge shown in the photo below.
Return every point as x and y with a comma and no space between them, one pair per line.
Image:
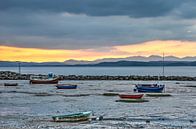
8,75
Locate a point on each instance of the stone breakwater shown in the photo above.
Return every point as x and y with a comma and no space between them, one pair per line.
8,75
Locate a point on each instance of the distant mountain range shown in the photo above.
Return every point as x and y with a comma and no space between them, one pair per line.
132,58
117,62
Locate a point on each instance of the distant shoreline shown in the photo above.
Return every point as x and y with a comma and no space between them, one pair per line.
90,66
101,64
8,75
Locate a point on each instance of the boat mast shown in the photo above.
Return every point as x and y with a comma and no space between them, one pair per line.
163,68
19,68
163,74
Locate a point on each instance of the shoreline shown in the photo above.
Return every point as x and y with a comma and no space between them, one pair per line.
8,75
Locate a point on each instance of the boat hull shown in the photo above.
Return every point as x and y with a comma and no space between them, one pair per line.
53,81
10,84
158,95
66,86
128,96
132,100
83,116
151,88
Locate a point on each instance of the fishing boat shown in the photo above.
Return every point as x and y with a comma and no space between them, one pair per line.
66,86
10,84
44,81
76,117
149,88
131,96
50,79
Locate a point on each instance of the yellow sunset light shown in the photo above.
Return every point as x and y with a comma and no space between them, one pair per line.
170,47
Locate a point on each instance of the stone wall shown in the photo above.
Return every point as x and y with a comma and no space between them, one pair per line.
7,75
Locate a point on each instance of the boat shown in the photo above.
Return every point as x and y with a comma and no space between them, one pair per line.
44,81
76,117
158,95
110,94
50,79
149,88
131,96
66,86
132,100
157,88
10,84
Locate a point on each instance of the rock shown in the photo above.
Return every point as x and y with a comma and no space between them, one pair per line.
8,75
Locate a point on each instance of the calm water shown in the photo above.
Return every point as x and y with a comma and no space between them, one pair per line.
178,71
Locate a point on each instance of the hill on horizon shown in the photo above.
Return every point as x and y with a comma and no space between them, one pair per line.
129,61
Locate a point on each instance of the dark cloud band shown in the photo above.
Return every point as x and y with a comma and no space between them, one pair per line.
133,8
78,24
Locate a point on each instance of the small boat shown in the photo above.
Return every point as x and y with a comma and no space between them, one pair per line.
66,86
41,80
158,95
110,94
149,88
132,100
10,84
76,117
44,81
131,96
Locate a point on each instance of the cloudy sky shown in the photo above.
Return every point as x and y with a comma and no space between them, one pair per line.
57,30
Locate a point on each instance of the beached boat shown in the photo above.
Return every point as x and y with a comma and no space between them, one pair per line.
10,84
110,94
149,88
76,117
43,80
132,100
66,86
131,96
158,95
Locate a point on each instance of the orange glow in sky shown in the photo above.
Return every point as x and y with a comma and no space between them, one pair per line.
170,47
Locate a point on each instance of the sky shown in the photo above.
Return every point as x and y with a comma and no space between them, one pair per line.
59,30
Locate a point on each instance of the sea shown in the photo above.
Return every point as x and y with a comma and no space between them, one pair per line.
113,71
32,106
29,106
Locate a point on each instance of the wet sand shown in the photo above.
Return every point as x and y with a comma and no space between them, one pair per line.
31,106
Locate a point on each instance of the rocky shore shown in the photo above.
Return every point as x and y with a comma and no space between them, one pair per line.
8,75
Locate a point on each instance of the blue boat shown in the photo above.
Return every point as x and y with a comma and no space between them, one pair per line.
149,88
66,86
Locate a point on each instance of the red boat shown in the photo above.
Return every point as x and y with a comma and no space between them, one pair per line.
131,96
44,81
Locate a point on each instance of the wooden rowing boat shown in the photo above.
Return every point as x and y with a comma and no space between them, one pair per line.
44,81
158,95
76,117
66,86
132,100
131,96
10,84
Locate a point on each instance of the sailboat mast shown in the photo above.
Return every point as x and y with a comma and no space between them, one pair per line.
163,65
19,68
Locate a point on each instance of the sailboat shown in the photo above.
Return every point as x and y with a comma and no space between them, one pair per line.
157,88
149,88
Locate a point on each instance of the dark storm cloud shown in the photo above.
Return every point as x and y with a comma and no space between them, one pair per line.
78,24
133,8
